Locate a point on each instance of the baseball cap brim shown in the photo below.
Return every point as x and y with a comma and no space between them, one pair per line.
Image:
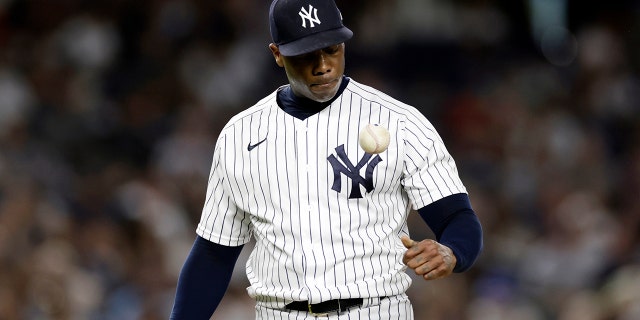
316,41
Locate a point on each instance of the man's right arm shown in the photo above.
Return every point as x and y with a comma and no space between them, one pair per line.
204,279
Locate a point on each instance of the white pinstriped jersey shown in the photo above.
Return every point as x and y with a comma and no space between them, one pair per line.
327,217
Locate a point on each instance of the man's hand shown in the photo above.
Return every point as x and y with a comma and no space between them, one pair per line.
428,258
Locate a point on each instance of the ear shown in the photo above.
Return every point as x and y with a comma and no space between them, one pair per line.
276,54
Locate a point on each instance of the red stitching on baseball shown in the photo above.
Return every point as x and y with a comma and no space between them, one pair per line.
372,134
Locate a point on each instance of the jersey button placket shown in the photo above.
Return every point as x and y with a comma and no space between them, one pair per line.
303,188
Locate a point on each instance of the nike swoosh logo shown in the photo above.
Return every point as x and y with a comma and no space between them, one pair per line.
250,146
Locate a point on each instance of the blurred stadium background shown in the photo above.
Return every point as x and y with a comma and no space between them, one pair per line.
109,111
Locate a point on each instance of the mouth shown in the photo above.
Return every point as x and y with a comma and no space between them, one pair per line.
324,84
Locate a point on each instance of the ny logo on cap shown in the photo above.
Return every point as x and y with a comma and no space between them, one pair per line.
306,15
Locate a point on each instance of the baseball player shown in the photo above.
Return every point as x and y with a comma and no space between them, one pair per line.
328,219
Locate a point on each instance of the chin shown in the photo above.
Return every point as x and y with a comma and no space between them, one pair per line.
322,99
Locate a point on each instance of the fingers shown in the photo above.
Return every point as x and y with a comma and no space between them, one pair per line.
408,243
422,259
427,258
428,247
431,273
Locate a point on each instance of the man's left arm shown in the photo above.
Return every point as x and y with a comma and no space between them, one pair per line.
458,239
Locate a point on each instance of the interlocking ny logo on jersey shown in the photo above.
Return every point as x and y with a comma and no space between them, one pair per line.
306,15
353,172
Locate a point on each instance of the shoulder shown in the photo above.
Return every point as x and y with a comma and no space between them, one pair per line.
413,125
373,95
257,109
408,116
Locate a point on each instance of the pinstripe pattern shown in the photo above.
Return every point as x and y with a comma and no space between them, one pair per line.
312,242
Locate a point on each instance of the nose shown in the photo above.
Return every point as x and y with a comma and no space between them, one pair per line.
322,64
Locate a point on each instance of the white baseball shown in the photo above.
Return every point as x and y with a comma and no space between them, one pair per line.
374,138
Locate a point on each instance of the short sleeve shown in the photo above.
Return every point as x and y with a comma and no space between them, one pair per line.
222,221
430,171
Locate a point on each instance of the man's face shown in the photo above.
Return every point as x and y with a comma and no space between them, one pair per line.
316,75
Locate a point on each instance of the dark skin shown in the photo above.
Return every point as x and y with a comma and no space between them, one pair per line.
317,76
428,258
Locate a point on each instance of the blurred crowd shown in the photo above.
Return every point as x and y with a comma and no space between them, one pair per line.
109,111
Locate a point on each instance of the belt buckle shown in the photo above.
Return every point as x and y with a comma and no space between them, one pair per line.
323,314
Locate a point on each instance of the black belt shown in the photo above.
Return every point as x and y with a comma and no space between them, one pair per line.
325,307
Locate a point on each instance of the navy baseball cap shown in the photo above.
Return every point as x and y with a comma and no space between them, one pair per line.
302,26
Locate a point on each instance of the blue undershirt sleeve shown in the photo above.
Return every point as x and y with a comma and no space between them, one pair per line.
456,226
204,279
